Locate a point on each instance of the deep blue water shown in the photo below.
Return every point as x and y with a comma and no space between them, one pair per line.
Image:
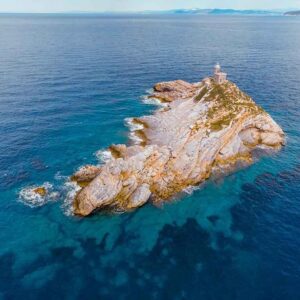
66,85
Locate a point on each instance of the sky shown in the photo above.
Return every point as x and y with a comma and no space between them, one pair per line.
137,5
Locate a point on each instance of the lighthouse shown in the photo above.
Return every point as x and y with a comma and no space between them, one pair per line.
219,76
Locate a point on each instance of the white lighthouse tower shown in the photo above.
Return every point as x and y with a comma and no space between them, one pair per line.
219,76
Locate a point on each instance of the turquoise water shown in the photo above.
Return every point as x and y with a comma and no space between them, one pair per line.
66,85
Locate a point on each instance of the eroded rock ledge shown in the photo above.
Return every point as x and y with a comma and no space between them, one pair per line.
205,128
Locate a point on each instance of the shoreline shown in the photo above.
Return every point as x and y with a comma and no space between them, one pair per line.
205,129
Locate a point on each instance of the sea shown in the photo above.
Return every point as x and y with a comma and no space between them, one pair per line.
67,85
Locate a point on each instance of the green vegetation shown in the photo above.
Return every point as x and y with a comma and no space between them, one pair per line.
201,94
221,123
227,103
218,92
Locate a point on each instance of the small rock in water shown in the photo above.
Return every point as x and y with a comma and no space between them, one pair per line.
35,196
40,191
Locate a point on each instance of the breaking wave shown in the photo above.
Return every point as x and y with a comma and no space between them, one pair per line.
135,138
71,188
133,126
31,198
146,99
104,156
191,189
153,101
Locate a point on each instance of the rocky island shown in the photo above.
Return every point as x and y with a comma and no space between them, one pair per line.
204,128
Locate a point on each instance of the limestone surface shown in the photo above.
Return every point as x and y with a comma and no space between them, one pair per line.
205,128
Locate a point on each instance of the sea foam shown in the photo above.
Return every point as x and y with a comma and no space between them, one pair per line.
191,189
103,156
133,126
29,197
135,138
153,101
71,188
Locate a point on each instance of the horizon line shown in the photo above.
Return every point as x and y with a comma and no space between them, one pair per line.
145,11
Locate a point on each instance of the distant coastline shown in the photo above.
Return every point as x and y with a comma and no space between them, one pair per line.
292,13
196,11
218,11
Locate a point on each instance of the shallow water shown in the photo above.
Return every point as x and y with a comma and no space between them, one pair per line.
67,83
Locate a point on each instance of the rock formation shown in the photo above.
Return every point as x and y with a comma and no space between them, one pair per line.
204,128
42,191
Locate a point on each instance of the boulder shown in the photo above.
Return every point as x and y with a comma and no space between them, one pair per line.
42,191
86,174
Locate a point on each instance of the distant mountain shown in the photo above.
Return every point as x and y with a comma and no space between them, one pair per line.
293,13
194,11
218,11
242,12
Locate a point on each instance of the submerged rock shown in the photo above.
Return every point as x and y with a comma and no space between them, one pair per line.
207,128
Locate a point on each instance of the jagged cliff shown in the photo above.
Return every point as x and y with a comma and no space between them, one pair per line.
204,128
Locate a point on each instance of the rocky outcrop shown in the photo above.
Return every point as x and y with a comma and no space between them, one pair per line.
41,191
168,91
205,129
85,175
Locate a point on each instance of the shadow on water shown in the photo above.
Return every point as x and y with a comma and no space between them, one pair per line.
181,265
268,214
150,276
